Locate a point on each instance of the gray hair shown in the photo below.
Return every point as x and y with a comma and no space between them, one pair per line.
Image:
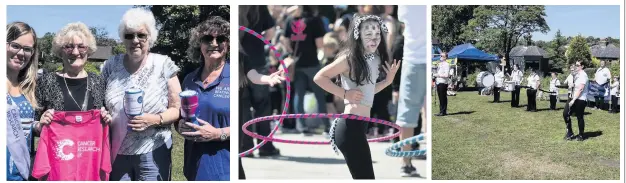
135,19
66,35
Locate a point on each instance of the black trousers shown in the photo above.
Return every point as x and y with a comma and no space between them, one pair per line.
515,96
242,174
532,100
442,92
553,101
577,109
599,102
352,142
259,100
496,94
614,104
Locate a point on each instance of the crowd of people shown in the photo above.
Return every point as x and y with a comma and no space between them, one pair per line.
140,146
580,91
316,49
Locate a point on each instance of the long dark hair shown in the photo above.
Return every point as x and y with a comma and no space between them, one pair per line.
353,49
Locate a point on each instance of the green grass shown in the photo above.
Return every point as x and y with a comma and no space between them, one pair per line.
500,142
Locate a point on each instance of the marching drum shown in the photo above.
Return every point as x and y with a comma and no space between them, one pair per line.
485,79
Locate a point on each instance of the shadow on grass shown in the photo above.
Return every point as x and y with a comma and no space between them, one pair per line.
462,112
502,101
548,109
593,134
312,160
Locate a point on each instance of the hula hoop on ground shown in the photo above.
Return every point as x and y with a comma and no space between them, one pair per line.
286,106
316,115
393,152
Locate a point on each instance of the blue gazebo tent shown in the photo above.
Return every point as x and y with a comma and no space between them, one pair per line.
468,52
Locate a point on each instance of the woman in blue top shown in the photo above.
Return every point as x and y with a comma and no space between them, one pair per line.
207,145
21,77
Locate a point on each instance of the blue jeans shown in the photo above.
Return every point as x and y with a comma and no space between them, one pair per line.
412,92
152,166
303,80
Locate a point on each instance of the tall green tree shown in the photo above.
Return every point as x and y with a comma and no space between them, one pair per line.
102,37
556,52
45,49
501,27
579,50
448,23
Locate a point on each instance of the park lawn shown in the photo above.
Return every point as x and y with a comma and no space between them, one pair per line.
495,141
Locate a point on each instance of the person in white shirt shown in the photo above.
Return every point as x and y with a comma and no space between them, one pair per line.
516,77
442,75
602,77
577,105
499,83
554,83
531,93
570,81
614,95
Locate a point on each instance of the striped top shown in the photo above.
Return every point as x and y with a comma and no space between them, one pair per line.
152,79
27,113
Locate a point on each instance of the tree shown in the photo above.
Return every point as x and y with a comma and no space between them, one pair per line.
174,24
448,23
119,49
501,27
102,37
45,49
557,53
579,50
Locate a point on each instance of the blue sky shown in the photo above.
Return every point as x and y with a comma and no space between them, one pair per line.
53,18
588,20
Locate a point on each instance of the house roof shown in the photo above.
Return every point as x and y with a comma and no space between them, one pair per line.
605,51
522,51
102,53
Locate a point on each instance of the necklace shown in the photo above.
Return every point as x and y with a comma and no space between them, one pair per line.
84,106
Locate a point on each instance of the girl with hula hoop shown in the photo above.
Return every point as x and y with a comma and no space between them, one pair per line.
358,66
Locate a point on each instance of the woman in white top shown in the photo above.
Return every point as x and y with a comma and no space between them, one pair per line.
577,105
516,76
141,145
531,93
603,78
554,82
614,95
570,82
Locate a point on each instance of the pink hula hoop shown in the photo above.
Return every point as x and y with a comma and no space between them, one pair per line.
285,115
316,115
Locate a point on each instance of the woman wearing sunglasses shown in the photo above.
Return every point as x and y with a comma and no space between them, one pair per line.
207,144
141,145
21,76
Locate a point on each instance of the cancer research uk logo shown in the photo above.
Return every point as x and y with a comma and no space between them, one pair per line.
64,149
298,29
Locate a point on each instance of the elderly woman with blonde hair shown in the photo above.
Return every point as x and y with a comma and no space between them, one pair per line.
72,88
141,144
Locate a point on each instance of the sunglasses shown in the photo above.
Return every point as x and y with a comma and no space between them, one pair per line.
70,47
208,39
16,47
140,36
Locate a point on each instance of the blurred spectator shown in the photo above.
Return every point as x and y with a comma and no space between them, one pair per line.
302,38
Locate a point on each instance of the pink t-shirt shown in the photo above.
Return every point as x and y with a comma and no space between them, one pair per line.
74,147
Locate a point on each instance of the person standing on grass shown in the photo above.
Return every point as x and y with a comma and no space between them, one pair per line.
570,81
603,78
499,77
615,95
531,93
442,76
142,145
207,144
554,82
577,104
516,76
